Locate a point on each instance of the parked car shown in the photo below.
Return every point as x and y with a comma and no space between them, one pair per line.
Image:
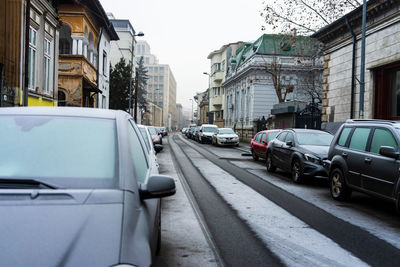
151,148
206,132
225,136
189,133
196,133
259,143
77,186
300,151
163,131
184,130
156,137
364,156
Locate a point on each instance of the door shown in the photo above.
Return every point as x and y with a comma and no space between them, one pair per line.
256,144
355,154
287,151
262,151
380,173
277,154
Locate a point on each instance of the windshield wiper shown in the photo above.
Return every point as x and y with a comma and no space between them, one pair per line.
6,183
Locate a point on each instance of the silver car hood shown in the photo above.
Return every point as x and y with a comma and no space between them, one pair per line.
60,227
227,135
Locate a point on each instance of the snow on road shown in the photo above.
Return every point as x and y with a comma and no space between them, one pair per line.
288,237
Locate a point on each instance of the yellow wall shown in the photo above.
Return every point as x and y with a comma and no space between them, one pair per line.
40,102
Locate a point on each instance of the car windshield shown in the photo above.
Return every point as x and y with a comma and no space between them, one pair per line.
314,138
226,131
210,129
152,131
60,149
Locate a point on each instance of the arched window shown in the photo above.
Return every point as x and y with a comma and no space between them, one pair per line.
62,101
65,43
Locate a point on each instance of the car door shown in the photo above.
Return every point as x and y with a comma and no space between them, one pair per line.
354,155
257,144
262,152
287,151
277,155
143,168
380,173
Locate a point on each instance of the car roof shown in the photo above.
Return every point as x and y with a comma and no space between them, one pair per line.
225,129
270,131
64,111
209,125
373,121
301,130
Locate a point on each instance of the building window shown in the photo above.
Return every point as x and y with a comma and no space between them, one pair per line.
215,67
105,63
395,88
161,79
48,69
65,42
103,100
32,58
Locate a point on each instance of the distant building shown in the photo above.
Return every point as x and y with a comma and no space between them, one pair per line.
219,60
202,111
249,88
154,116
161,85
83,72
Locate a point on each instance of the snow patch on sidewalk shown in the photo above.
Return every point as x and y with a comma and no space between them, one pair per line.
293,241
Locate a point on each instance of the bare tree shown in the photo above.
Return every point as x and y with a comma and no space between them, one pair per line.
304,16
310,85
305,52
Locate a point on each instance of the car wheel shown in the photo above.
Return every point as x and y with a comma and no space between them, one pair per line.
337,185
255,157
297,173
270,165
398,203
237,145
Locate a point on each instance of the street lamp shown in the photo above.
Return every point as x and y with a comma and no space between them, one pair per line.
209,89
140,34
192,108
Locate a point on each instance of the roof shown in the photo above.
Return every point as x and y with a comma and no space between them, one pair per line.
222,49
64,111
98,13
275,44
336,28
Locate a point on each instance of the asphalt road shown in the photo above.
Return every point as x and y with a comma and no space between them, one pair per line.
234,240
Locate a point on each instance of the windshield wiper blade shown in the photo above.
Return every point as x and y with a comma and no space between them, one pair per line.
24,184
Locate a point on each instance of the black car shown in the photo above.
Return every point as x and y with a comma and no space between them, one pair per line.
300,151
364,156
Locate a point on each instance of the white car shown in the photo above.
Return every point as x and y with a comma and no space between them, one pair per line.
151,149
206,132
225,136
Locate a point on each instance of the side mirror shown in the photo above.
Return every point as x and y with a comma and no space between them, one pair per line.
289,143
201,131
157,186
389,151
158,148
264,142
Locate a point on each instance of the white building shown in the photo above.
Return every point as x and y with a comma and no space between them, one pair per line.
249,88
161,85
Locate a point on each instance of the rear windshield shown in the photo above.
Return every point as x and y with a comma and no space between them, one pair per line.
226,131
314,138
152,131
58,148
210,129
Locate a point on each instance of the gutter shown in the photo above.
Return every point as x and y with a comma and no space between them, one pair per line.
98,67
353,68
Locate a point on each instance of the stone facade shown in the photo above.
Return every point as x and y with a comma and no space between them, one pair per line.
382,49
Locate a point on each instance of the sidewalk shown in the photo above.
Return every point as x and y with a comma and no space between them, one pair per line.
183,241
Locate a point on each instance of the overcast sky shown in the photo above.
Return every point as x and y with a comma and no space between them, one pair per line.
182,33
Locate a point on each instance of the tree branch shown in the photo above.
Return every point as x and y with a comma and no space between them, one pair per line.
315,11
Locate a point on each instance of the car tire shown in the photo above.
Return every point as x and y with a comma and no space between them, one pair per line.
398,204
270,166
253,154
237,145
297,172
337,185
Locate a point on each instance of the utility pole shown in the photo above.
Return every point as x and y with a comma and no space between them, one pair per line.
136,96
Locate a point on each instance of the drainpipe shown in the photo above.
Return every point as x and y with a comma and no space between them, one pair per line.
353,68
